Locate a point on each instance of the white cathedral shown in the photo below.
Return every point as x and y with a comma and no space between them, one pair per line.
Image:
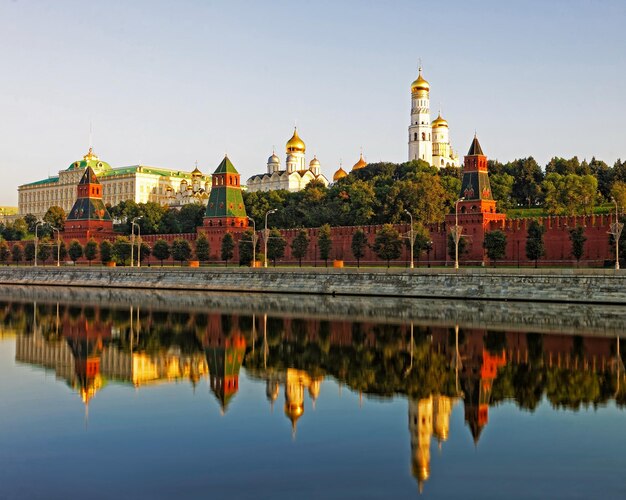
296,174
428,141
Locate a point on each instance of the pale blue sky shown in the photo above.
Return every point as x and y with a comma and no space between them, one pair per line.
169,83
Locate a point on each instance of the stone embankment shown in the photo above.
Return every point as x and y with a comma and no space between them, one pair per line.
567,286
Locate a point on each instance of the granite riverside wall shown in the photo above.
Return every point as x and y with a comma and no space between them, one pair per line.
574,286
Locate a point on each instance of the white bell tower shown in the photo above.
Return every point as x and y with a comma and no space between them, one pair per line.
420,130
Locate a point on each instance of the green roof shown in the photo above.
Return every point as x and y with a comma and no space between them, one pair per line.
49,180
225,201
89,209
226,167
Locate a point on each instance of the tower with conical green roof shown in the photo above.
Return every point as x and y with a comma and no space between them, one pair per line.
89,217
225,209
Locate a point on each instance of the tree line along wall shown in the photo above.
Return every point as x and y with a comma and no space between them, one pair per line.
558,246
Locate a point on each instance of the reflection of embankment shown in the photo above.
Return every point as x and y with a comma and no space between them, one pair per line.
582,319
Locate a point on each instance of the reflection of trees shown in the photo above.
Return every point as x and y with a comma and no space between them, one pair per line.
372,358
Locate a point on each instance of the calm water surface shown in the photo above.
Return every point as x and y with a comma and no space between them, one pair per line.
134,402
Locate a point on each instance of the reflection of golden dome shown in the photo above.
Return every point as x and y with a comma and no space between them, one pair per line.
360,164
294,411
420,84
439,122
295,144
340,174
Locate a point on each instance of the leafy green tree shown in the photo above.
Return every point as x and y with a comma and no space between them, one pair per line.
358,245
502,190
191,217
5,252
75,250
578,238
17,253
181,250
528,177
275,246
106,251
91,250
55,216
146,251
569,194
161,250
618,193
29,251
388,244
245,248
300,245
203,249
44,250
495,245
228,248
122,250
325,243
31,221
534,242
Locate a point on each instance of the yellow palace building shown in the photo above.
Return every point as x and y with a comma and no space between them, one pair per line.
137,182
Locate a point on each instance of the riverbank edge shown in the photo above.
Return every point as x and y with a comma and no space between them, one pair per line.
555,286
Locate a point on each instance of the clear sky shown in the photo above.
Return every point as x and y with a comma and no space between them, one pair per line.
166,83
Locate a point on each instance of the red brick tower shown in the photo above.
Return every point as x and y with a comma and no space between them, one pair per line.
88,218
476,208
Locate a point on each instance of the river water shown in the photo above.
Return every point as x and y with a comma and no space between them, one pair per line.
137,397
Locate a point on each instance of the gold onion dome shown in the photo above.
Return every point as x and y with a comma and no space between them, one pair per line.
439,122
360,164
314,162
340,174
420,83
295,144
196,171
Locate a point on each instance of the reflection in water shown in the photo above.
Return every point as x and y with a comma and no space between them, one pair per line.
435,368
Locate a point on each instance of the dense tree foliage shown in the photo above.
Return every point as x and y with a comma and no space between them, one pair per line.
388,243
181,250
300,245
324,243
495,245
275,246
91,250
75,250
161,250
203,249
228,248
578,239
535,248
358,245
106,251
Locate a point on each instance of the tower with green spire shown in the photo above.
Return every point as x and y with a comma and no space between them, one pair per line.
225,210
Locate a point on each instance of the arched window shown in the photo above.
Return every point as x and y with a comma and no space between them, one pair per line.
415,136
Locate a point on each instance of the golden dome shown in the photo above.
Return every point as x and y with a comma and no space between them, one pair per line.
90,155
420,83
314,162
196,172
294,411
360,164
295,144
340,174
439,122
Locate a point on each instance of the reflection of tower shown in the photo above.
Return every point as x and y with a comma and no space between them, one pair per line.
272,388
224,347
442,408
420,428
477,384
314,390
86,341
294,397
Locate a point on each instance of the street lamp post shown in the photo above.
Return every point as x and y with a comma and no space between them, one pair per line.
133,223
58,244
411,235
616,231
138,244
429,247
266,234
253,241
457,233
37,224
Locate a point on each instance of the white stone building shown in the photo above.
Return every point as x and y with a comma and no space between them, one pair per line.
295,176
428,141
140,183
